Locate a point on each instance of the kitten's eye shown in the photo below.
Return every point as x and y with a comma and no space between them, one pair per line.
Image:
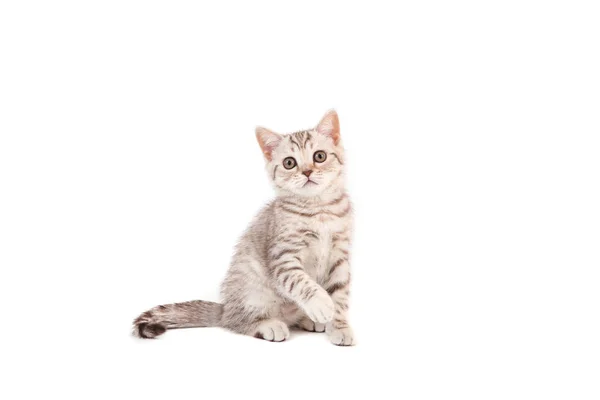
320,156
289,162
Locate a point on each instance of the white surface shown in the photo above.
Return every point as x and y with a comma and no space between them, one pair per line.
128,168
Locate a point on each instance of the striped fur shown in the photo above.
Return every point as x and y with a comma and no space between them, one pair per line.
291,267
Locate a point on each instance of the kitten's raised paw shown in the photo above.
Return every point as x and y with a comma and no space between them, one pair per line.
342,337
272,330
308,325
320,308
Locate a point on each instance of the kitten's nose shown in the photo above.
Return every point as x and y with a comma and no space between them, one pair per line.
307,172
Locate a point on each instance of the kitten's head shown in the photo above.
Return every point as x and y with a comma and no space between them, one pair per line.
305,163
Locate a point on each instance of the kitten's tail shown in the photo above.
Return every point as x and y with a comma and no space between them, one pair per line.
197,313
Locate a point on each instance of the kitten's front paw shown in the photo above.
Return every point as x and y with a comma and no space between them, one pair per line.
308,325
320,307
341,337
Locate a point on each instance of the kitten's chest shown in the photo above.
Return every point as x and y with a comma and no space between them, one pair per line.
319,249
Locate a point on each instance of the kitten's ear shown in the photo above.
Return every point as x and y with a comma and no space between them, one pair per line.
267,140
330,126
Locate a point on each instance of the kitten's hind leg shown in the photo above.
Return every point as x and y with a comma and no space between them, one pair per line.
272,329
259,325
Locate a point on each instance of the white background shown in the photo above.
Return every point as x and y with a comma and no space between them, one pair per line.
129,168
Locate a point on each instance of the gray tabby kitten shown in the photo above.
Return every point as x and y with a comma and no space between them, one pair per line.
291,266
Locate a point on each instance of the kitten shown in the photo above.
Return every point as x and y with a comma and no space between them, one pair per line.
291,266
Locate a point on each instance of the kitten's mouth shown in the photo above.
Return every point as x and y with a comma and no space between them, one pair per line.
309,181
